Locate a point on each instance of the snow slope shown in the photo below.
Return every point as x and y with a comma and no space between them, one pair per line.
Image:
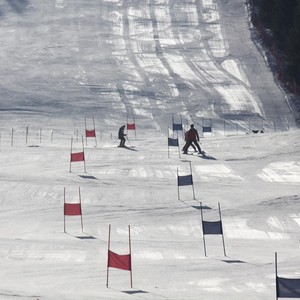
64,61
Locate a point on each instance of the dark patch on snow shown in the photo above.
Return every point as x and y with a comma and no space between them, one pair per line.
286,200
199,207
88,177
19,6
234,261
206,156
86,237
135,292
18,296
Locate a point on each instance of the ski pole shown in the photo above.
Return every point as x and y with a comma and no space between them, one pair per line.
114,142
129,142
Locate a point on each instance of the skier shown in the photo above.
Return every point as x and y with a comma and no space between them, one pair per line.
121,136
192,136
185,138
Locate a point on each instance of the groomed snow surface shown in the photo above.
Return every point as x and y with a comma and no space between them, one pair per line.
65,62
255,178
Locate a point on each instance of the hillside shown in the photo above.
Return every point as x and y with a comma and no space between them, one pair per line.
67,62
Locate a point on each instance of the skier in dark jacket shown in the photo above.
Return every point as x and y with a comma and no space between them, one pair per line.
121,136
192,136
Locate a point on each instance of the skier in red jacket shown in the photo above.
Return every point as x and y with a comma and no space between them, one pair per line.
192,136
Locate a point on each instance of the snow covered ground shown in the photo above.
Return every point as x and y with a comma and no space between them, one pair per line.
63,61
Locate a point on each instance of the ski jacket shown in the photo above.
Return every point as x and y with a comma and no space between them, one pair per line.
121,132
192,135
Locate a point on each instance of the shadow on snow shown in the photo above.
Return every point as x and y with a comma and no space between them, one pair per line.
18,6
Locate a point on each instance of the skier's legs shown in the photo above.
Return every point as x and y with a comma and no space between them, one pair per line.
122,143
186,146
198,146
